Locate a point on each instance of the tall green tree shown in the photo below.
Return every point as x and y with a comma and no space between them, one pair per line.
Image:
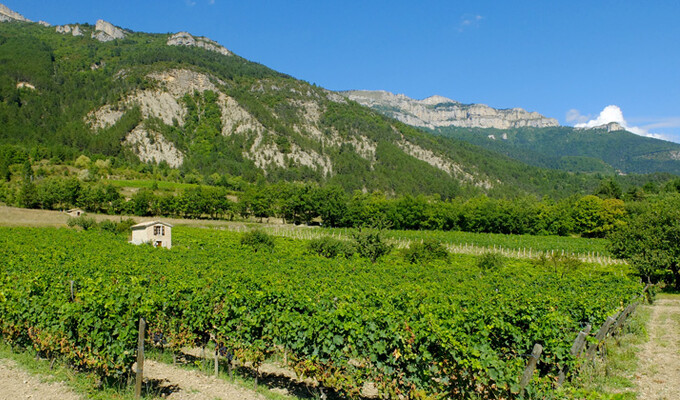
650,242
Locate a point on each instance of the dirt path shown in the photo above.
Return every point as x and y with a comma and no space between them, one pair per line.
658,374
15,383
180,384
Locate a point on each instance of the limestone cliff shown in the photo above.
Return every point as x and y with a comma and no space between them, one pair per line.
186,39
438,111
8,15
106,32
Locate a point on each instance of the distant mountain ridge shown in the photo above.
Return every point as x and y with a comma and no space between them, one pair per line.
437,111
528,136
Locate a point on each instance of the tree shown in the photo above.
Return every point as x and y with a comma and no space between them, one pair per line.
650,241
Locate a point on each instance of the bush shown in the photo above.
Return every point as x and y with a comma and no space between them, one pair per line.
330,247
371,245
428,250
258,240
108,225
82,221
124,225
490,261
561,264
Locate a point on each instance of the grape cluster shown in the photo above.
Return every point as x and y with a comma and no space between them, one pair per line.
159,339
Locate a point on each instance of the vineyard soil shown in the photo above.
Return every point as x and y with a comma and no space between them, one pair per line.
180,384
15,383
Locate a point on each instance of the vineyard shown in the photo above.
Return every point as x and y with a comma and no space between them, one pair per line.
440,329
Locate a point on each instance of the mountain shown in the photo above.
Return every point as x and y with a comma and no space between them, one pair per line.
437,112
608,149
186,103
530,137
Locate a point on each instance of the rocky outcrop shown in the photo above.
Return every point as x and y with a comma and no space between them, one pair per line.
25,85
44,23
610,127
437,111
72,29
106,32
153,147
7,15
186,39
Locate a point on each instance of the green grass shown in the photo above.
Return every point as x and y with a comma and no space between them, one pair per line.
611,377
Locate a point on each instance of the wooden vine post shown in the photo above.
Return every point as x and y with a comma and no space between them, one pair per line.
531,366
140,359
575,351
601,334
217,360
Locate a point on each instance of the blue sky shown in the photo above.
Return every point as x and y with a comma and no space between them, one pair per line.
565,59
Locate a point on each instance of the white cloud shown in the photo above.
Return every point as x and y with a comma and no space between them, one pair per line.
574,115
469,20
190,3
610,114
211,2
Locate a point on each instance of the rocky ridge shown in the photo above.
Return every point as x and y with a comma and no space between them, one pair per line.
72,29
7,15
437,111
106,32
610,127
187,39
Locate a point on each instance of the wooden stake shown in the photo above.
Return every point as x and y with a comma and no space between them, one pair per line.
601,334
140,359
575,351
217,361
531,366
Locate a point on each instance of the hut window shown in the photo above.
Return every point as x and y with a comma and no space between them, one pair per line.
159,230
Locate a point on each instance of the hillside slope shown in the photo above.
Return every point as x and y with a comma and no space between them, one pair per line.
188,103
566,148
528,136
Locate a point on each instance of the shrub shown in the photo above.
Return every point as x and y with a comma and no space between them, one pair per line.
329,247
82,221
428,250
371,245
258,240
490,261
108,225
124,225
561,264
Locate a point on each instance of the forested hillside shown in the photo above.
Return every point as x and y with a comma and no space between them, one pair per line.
138,100
577,150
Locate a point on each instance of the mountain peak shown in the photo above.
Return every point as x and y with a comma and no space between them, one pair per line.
8,15
436,99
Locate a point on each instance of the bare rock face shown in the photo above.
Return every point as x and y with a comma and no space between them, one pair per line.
43,23
186,39
438,111
72,29
610,127
153,147
7,15
106,32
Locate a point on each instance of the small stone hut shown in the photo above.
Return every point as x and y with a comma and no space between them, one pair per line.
158,233
75,212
